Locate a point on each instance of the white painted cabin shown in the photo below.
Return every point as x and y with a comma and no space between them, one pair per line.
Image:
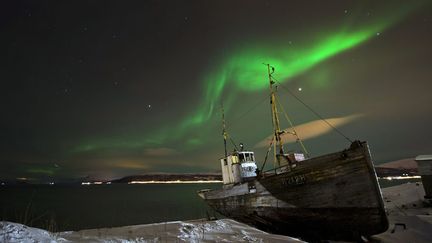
238,167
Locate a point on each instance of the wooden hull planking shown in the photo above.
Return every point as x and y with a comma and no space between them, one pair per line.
335,196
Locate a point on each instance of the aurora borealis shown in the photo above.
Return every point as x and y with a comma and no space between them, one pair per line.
134,88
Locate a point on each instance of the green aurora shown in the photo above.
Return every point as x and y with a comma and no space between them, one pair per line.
243,71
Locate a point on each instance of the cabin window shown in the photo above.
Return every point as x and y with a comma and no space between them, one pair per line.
249,157
242,158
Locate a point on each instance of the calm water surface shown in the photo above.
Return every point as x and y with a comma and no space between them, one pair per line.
74,207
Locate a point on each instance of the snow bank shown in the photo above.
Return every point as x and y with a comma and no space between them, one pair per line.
410,216
224,230
220,230
13,232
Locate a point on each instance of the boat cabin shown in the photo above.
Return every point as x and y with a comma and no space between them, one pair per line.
290,158
424,163
238,167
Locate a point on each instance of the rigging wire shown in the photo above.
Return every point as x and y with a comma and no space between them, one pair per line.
225,133
267,153
233,143
238,118
298,140
241,116
248,111
313,111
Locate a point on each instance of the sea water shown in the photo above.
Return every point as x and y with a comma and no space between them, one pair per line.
75,207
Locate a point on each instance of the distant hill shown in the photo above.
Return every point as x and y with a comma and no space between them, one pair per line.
401,167
397,168
171,177
402,164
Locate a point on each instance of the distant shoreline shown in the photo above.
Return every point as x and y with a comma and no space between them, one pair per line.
385,171
171,178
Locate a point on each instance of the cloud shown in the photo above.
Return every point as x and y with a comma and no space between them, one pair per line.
160,152
310,129
41,171
131,165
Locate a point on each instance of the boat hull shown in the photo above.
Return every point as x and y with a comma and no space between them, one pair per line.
333,197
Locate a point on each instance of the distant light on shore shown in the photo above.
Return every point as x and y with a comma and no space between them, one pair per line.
400,177
173,182
86,183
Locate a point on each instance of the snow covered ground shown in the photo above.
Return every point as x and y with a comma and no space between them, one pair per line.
13,232
224,230
409,214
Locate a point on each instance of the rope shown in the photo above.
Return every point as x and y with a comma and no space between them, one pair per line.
267,153
241,116
292,127
314,112
233,143
248,111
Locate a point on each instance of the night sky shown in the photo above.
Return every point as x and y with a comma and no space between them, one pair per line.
113,88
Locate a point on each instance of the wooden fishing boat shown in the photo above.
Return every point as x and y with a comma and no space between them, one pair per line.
334,196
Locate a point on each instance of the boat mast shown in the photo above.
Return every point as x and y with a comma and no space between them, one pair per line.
224,133
275,117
